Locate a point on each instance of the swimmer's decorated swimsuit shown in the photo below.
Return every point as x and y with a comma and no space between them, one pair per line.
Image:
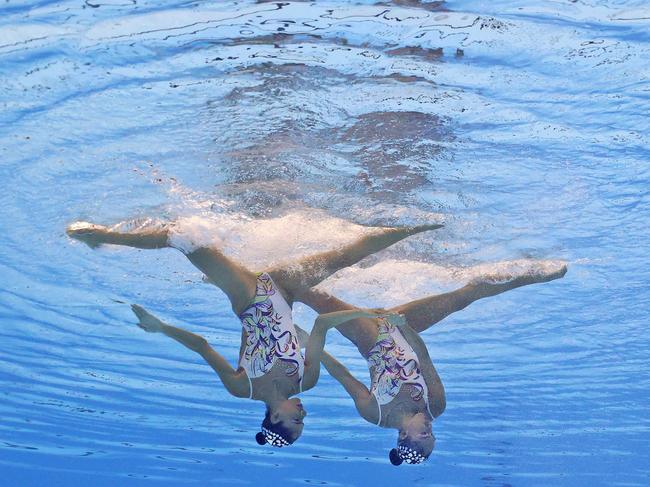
270,334
393,363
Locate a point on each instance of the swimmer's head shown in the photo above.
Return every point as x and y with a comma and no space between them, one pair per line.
415,442
283,424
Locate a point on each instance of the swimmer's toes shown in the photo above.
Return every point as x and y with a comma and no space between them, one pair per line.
422,228
549,274
560,273
138,310
415,229
431,226
81,228
85,232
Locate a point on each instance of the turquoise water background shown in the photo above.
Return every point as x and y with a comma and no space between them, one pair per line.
522,125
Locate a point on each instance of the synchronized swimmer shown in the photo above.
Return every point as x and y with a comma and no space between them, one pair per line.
406,392
272,368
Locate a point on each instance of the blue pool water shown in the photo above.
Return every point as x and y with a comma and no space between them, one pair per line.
522,125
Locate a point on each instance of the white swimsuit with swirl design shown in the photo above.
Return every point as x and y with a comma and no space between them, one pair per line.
393,363
270,334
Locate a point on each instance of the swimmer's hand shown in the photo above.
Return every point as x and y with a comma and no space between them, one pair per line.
397,319
148,322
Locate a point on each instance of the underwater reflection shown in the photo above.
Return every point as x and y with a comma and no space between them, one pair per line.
396,149
294,123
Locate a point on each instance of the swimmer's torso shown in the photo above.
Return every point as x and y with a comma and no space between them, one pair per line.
396,380
271,351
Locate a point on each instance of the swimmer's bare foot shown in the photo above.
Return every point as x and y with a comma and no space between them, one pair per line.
409,230
544,271
86,232
296,277
146,320
426,228
144,236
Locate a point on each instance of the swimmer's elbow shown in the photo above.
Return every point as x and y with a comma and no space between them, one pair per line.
310,376
201,346
237,388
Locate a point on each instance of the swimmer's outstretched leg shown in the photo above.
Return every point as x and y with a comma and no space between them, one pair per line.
232,278
299,276
148,237
423,313
239,283
426,312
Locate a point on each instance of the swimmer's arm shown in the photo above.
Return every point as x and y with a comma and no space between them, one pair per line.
316,341
313,353
336,318
234,380
437,401
363,400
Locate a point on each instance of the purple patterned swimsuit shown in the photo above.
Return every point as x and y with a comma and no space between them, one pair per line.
393,363
270,334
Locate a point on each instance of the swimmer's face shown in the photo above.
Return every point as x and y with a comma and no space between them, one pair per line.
291,414
419,434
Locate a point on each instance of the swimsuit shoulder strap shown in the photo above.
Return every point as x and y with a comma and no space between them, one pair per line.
378,408
429,410
250,385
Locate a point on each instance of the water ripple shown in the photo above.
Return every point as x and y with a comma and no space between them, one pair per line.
522,125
